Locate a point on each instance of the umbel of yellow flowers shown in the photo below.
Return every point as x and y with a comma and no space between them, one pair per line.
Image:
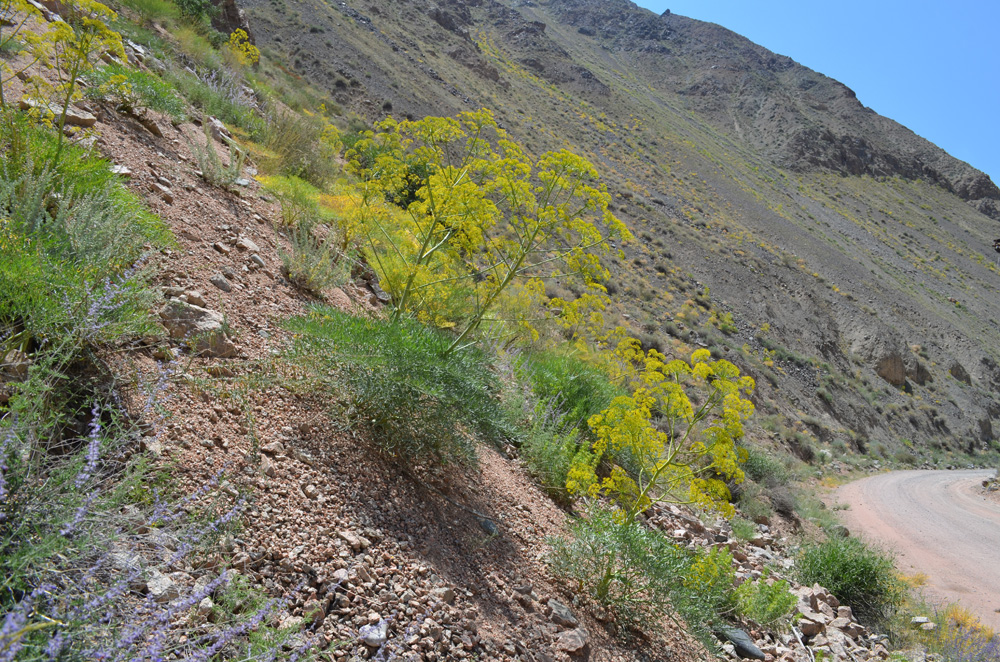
662,447
463,225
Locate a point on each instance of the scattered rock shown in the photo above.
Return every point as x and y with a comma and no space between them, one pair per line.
218,129
151,126
163,191
245,244
221,282
561,615
201,328
15,366
444,594
573,641
267,466
352,540
958,371
195,298
74,116
375,635
161,587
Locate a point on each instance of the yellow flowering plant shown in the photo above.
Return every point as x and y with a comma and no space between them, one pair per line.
242,49
456,212
71,47
660,445
19,29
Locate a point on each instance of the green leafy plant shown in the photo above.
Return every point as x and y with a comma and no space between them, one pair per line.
765,601
860,575
641,576
219,92
70,238
303,145
133,91
575,387
298,198
213,170
549,449
764,468
743,529
150,11
197,11
421,403
313,264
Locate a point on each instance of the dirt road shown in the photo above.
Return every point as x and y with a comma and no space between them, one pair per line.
937,523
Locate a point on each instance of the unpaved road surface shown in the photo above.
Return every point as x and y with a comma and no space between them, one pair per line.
938,523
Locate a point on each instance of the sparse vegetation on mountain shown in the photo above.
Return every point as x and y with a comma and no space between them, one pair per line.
537,330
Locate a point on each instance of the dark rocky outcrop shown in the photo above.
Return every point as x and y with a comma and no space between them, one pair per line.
231,18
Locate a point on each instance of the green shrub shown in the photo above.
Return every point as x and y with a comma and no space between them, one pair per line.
765,602
300,145
858,574
70,238
298,198
752,502
219,93
152,11
421,404
743,529
198,11
213,170
764,469
641,576
133,91
548,449
313,265
574,387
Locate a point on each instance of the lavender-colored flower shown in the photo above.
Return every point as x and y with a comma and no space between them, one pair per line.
70,527
55,646
93,448
5,443
13,629
111,299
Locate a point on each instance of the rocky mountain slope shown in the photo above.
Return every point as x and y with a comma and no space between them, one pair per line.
853,256
804,277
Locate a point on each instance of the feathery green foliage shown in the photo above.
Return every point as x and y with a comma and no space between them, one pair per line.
642,576
421,403
213,169
133,91
313,264
860,575
765,601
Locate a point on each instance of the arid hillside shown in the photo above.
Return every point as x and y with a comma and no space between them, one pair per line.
854,258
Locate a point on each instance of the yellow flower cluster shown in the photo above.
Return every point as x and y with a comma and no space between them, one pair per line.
245,52
676,451
462,225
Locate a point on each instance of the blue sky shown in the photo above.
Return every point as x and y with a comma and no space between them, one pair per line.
932,67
